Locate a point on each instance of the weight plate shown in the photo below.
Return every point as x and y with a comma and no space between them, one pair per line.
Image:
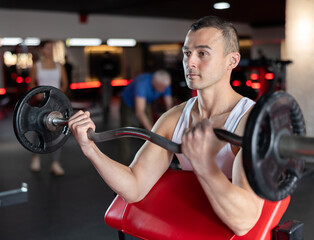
270,176
29,115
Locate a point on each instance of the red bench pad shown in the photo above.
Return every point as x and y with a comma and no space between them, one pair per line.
177,208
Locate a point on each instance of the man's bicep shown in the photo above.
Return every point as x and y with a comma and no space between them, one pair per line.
238,173
239,177
164,127
150,163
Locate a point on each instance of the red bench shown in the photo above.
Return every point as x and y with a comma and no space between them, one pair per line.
177,208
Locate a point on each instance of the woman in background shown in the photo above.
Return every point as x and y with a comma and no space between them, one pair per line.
48,73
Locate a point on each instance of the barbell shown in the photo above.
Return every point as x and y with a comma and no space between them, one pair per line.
274,145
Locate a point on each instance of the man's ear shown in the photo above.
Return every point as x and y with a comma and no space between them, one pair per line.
234,59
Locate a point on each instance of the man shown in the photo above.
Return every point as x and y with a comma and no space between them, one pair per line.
143,90
135,109
211,51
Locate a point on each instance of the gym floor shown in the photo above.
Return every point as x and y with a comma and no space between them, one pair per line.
73,206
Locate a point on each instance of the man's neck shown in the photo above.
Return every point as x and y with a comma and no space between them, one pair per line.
216,100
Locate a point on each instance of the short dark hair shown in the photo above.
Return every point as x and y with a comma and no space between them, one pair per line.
229,32
44,42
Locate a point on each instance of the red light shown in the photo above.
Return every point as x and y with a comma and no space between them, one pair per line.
248,83
84,85
19,79
254,76
256,85
13,75
120,82
269,76
236,83
27,79
2,91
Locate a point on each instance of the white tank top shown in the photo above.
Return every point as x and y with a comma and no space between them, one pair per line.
48,77
225,157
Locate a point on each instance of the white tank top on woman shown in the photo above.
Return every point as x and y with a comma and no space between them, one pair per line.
225,157
47,76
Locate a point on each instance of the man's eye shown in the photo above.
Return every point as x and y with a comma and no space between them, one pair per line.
202,54
187,53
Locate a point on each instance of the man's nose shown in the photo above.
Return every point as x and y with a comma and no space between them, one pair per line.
191,61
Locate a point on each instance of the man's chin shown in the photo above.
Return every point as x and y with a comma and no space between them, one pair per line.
192,85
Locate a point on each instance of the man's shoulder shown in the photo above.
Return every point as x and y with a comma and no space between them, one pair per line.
173,114
168,121
144,76
142,82
178,109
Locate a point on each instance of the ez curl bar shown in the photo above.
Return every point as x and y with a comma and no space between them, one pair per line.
274,145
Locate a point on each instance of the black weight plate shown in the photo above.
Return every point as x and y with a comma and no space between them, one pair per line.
28,119
269,175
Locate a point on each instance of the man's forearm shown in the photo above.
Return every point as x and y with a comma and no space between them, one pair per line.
235,206
119,177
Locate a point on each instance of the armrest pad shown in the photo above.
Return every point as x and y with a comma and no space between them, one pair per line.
177,208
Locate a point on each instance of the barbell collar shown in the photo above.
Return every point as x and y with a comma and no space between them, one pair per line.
60,121
294,146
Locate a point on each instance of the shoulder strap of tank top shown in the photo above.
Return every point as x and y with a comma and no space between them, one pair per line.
237,113
184,120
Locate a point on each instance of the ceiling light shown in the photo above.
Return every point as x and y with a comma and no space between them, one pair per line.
102,49
83,42
121,42
31,41
11,41
221,5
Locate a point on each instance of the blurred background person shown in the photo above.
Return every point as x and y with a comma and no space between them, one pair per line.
136,100
47,72
107,70
68,66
